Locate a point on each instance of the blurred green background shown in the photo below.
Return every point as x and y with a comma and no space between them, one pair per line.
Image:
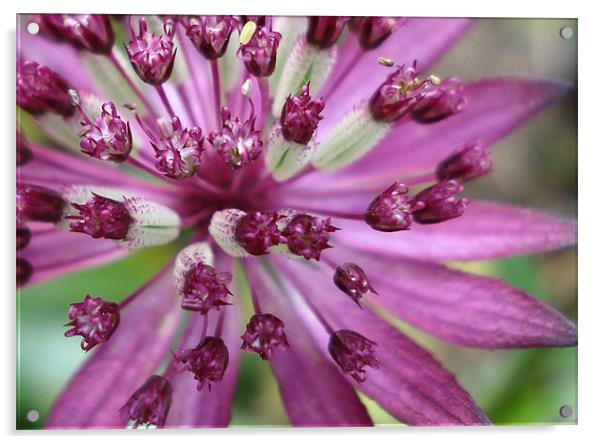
535,166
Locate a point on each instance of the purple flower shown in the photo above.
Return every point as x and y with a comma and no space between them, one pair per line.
395,208
92,32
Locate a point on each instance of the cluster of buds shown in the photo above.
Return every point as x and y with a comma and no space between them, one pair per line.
94,319
427,101
92,32
210,34
39,89
373,31
394,209
258,48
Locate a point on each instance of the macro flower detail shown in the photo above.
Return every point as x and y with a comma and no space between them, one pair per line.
107,137
337,156
152,56
149,404
207,361
259,51
439,203
352,280
466,163
263,335
323,32
39,89
238,143
307,235
353,352
94,319
210,34
92,32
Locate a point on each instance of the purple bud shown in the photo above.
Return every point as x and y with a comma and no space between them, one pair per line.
39,89
151,56
24,271
323,32
352,281
205,289
307,235
259,54
84,31
149,405
438,203
397,94
300,116
391,210
178,151
257,232
238,143
211,34
108,137
101,217
24,153
263,335
207,361
373,31
352,352
23,236
440,101
38,203
94,319
467,163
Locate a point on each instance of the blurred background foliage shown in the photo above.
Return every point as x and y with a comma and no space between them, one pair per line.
535,166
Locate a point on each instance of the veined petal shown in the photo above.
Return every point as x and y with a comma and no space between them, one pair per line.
461,308
223,229
496,106
410,384
314,392
485,231
95,394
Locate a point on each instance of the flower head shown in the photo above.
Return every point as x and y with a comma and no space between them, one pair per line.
439,203
440,100
466,163
39,89
257,232
352,352
178,151
38,203
210,34
300,116
151,56
205,288
391,210
259,51
208,361
263,335
238,142
373,31
323,32
308,235
108,137
149,404
92,32
352,280
94,319
101,217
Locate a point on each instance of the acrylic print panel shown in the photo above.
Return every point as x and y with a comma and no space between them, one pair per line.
270,221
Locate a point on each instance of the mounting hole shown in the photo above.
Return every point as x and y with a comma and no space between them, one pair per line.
33,28
566,411
566,32
33,416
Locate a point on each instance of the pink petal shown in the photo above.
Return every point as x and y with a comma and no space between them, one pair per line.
95,394
410,384
485,231
191,408
314,393
461,308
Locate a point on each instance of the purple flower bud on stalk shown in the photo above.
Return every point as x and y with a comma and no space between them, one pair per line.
205,289
207,361
259,52
151,56
439,203
391,210
178,151
263,335
352,352
308,235
39,203
323,32
440,101
373,31
149,405
352,280
101,217
92,32
467,163
24,271
211,34
300,116
257,232
94,319
39,89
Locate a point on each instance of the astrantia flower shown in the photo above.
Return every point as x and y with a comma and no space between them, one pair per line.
357,190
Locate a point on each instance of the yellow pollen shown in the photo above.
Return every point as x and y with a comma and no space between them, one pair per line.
386,62
247,32
434,79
